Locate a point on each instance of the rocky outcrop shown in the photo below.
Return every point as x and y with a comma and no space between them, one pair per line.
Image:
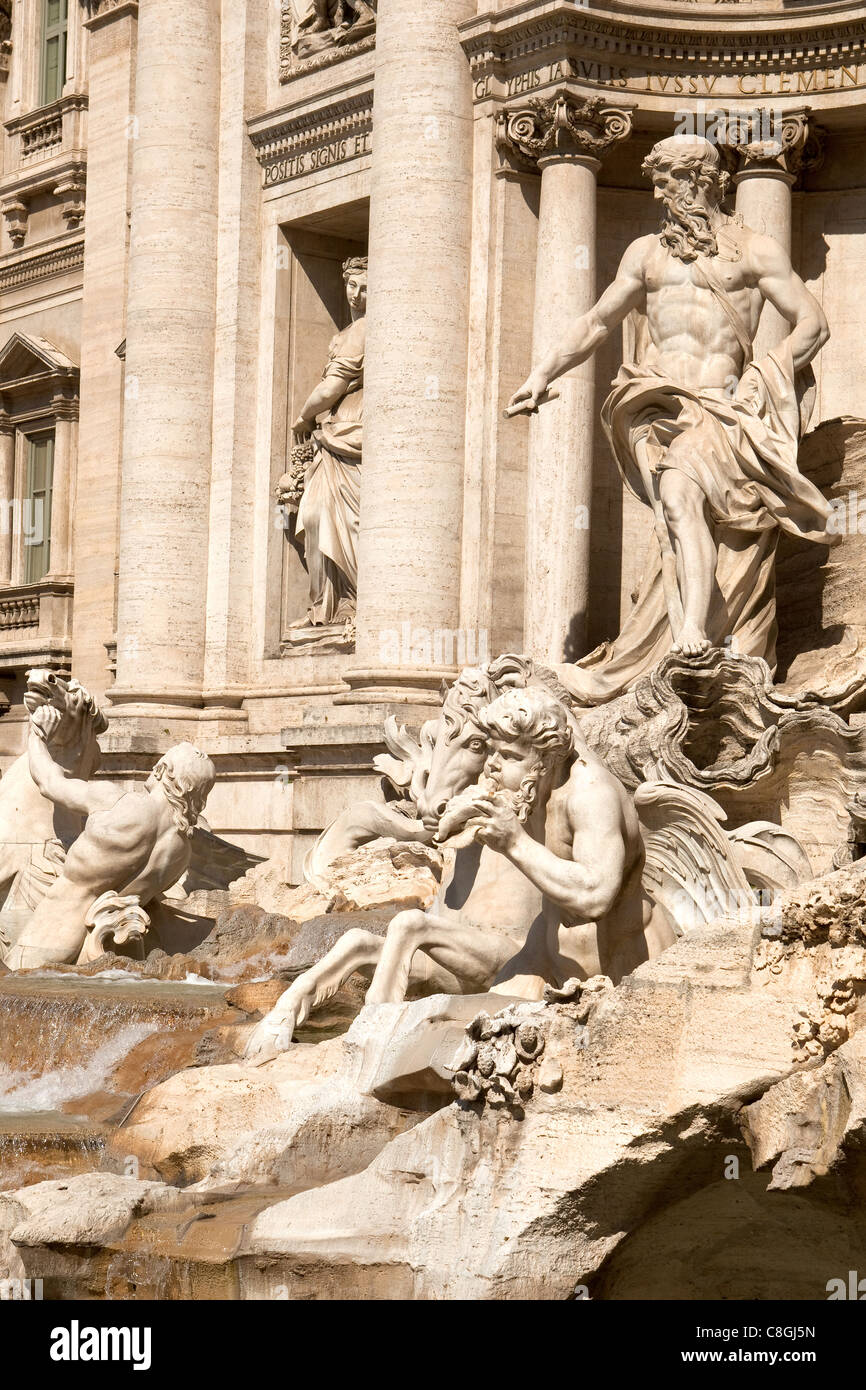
384,873
683,1095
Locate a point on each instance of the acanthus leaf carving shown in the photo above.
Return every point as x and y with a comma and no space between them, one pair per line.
562,126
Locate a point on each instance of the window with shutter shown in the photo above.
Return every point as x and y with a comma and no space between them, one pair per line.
36,522
54,24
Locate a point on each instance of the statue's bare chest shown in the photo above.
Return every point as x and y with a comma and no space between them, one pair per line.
666,272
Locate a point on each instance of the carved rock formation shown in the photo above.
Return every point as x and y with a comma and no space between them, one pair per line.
661,1077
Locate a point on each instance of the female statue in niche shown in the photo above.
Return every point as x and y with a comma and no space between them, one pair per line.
331,421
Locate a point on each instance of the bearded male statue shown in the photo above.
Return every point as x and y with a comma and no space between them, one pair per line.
702,433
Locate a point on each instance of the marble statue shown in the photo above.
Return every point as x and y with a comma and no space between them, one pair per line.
36,832
558,873
702,433
134,846
330,423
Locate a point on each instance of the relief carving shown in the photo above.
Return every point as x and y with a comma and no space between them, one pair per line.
324,29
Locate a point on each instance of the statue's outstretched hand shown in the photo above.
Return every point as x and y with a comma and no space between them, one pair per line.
527,396
44,721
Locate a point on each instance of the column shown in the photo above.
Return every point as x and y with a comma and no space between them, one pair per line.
236,405
7,494
111,37
162,586
63,488
416,354
768,170
565,138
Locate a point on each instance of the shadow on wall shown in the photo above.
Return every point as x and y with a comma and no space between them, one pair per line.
817,622
735,1240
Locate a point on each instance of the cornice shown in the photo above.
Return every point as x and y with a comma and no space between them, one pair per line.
311,135
719,35
57,260
667,61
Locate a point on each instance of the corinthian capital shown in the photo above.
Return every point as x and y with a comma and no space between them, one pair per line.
560,127
786,147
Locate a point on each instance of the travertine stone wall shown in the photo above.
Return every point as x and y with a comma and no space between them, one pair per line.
502,295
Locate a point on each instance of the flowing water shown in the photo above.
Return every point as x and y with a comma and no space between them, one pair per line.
76,1051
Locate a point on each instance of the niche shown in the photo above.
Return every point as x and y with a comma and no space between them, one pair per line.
316,309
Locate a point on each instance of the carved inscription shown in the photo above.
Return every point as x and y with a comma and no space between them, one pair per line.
283,170
748,84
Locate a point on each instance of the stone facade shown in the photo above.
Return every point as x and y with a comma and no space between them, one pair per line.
174,223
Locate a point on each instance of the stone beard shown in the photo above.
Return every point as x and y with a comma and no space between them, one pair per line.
686,228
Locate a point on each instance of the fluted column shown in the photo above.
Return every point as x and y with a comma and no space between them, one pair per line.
768,170
415,363
565,138
162,586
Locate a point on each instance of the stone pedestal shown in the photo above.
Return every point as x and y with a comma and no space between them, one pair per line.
415,365
162,587
767,174
565,137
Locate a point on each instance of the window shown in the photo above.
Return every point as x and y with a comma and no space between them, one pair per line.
36,522
54,23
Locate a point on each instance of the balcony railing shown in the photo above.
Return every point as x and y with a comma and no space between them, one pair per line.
58,129
18,612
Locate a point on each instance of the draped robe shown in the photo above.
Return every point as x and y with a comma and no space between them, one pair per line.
741,450
330,506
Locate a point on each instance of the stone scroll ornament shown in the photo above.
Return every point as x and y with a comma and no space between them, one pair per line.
114,921
793,146
560,126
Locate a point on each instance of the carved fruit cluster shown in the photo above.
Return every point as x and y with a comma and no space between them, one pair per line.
290,488
497,1063
824,1027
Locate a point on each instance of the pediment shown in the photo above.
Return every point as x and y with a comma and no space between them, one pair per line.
26,357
